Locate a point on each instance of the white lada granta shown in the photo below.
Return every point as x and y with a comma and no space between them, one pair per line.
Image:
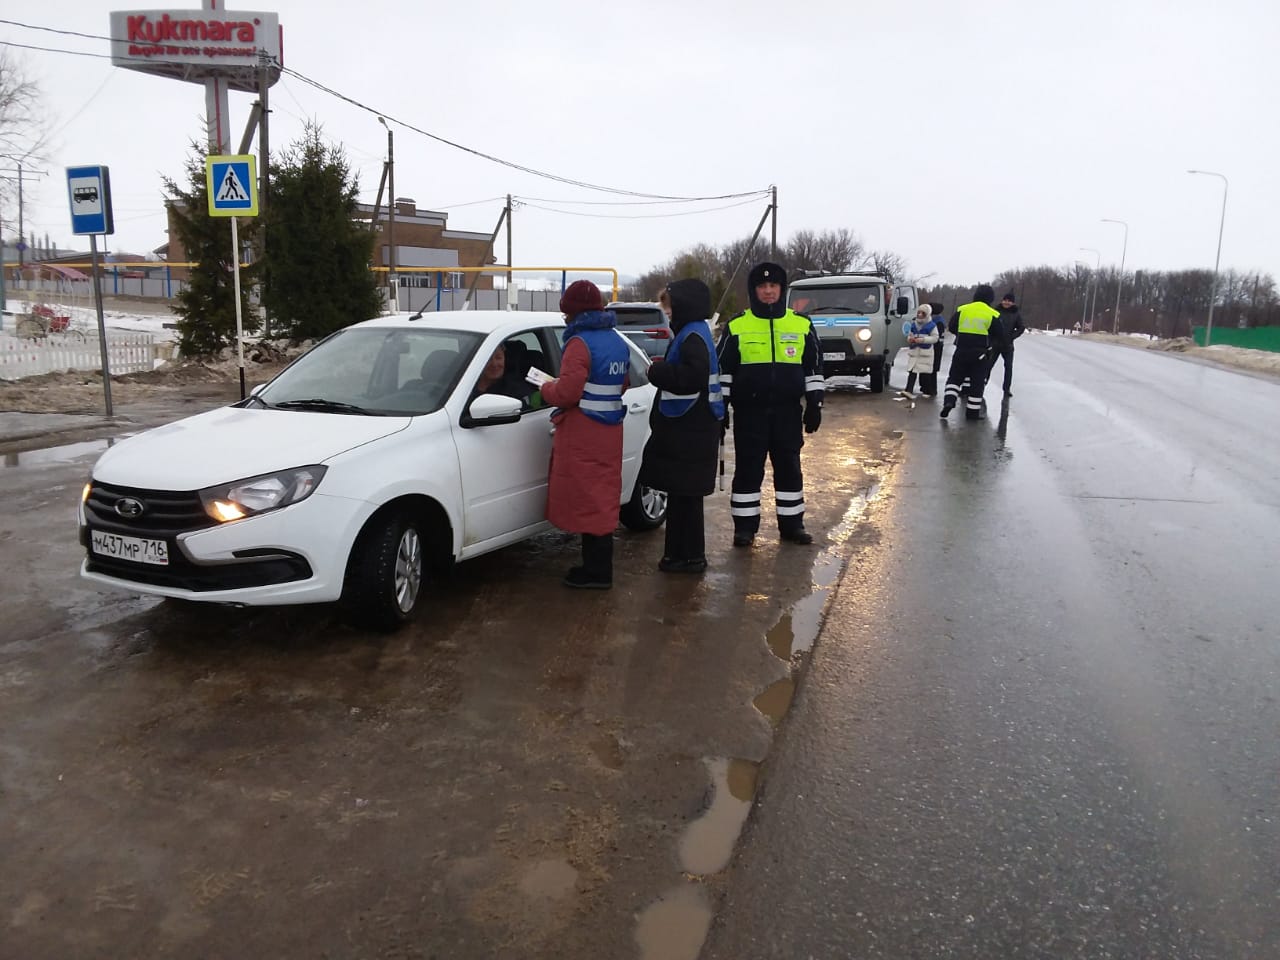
368,462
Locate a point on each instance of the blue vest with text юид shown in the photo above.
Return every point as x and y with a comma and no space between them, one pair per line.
678,404
610,359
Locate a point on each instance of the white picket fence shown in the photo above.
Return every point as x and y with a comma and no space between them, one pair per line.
28,356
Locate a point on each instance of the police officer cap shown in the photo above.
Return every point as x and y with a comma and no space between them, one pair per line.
766,273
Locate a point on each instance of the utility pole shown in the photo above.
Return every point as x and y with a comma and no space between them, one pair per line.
264,176
393,288
773,238
510,275
1115,319
22,240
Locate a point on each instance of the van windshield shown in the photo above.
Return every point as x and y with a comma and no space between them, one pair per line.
851,298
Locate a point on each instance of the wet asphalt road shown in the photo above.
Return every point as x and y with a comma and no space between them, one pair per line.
527,771
1075,758
1042,721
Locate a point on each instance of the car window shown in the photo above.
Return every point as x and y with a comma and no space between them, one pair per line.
849,298
386,370
521,352
640,317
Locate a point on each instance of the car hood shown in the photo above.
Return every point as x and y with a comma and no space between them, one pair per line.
233,443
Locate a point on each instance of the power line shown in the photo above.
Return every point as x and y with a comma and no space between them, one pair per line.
641,216
508,163
568,181
616,203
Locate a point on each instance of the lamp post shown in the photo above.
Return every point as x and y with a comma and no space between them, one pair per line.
1213,295
1115,318
391,215
1084,310
1097,270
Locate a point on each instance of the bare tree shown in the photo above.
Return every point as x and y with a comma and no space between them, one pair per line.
840,251
890,265
23,128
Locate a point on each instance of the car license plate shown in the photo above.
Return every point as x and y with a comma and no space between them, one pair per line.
833,356
137,549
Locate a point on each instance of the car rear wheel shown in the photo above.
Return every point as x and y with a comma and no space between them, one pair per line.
385,573
646,509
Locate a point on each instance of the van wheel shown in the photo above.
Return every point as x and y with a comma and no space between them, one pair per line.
385,574
646,509
877,378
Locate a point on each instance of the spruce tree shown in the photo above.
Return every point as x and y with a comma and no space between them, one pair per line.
317,277
207,308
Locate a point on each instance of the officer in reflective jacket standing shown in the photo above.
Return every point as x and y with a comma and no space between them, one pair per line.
770,360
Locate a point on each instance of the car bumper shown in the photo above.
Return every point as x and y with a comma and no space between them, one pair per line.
294,555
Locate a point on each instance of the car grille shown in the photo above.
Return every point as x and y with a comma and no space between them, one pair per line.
165,513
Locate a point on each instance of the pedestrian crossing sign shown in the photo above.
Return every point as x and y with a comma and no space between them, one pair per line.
233,186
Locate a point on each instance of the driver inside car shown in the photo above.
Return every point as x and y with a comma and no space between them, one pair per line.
508,379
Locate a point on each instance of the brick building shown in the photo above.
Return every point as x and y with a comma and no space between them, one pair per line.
425,247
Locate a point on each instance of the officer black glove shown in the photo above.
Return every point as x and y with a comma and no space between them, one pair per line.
812,417
724,424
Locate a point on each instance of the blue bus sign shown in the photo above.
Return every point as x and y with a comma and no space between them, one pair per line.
89,193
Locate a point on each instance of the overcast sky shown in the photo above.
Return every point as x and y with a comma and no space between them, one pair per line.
968,137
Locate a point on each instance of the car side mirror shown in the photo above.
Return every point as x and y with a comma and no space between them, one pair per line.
490,409
904,306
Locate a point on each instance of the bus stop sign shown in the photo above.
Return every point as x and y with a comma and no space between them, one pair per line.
89,192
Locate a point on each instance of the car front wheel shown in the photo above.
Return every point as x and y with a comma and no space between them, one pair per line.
646,509
385,574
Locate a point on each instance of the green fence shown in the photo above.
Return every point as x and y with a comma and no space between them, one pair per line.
1255,338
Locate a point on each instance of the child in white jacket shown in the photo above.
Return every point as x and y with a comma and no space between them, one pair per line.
922,334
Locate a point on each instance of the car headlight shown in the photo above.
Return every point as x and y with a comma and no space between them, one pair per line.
245,498
864,334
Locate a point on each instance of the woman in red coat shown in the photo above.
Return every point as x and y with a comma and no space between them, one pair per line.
585,481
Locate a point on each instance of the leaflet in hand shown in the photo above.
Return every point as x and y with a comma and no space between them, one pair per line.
538,377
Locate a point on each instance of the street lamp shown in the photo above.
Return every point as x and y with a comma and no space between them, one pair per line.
1084,310
1097,270
1208,329
391,214
1115,319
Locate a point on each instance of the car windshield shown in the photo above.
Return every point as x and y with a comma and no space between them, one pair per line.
862,298
375,371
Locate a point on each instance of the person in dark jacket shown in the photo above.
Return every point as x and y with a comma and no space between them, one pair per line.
584,484
1013,328
681,454
770,360
930,388
977,332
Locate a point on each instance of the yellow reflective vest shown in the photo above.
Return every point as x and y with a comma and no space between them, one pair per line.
761,340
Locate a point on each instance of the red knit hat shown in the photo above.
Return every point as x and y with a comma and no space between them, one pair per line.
582,295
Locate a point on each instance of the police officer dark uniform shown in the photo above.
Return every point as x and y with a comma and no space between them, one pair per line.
975,338
770,360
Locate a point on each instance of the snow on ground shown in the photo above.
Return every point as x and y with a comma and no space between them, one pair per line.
135,315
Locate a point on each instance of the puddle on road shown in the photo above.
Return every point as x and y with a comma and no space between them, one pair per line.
68,453
549,879
707,843
796,630
674,927
776,699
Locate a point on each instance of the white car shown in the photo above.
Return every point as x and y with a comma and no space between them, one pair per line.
365,464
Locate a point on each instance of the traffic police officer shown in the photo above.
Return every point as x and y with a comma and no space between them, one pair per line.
770,359
975,338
